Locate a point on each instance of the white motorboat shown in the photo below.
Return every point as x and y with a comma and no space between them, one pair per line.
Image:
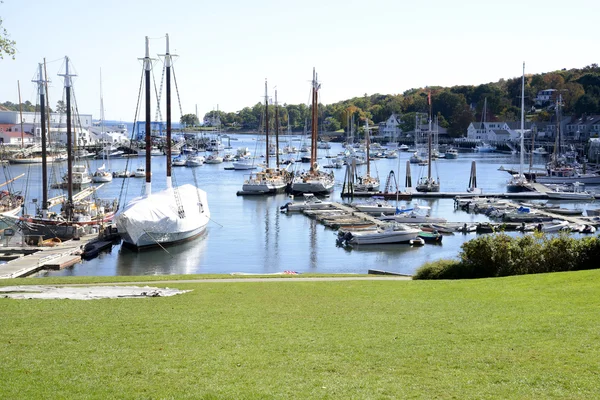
403,147
194,160
243,164
310,202
179,161
485,148
213,159
376,205
140,172
416,215
387,234
451,153
577,194
540,151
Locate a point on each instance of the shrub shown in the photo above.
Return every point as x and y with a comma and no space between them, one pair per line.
443,269
500,255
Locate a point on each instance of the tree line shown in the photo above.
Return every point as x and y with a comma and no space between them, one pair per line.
455,107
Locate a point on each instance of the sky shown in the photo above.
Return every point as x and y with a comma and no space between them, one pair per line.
226,49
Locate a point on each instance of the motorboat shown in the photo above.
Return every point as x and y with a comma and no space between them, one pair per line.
309,202
577,194
179,161
416,215
243,164
140,172
485,148
387,234
194,160
376,205
451,153
213,159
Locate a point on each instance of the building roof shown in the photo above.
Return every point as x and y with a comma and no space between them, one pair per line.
501,132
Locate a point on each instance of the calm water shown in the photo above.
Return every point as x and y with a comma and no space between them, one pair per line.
251,235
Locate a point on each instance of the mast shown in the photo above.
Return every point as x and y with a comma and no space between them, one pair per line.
367,142
522,122
21,114
276,132
429,159
42,92
266,126
147,67
68,84
315,121
168,76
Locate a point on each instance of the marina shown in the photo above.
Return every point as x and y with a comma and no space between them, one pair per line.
267,240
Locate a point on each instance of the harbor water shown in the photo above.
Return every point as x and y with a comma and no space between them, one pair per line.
250,234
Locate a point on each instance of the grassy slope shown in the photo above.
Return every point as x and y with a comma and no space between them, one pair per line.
534,336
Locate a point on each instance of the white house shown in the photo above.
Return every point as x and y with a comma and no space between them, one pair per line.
545,96
491,131
390,129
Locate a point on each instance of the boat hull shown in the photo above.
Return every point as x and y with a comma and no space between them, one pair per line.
155,220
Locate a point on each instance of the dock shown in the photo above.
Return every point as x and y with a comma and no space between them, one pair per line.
25,260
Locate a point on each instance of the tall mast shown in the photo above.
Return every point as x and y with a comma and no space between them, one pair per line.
368,143
42,92
522,121
276,132
68,84
315,121
21,114
429,158
147,68
266,126
168,64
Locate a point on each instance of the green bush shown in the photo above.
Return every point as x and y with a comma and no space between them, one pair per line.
443,269
500,255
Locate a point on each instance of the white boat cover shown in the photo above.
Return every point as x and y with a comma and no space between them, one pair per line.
152,220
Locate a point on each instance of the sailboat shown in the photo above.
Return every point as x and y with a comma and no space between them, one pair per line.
428,183
101,175
269,180
313,181
77,211
174,214
367,183
518,183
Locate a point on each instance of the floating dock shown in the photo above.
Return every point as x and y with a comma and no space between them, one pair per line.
22,261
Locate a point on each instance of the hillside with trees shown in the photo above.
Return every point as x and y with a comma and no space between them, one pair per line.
456,107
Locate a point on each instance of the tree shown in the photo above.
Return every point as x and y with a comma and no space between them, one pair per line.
7,46
189,120
61,107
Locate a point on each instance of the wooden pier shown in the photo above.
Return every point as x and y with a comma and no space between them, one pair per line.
26,260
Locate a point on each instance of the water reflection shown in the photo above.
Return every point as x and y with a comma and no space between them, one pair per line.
184,258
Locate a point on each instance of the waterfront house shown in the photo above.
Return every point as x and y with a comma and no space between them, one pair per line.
491,132
390,129
582,128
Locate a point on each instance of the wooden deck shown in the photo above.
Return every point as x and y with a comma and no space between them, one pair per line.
31,259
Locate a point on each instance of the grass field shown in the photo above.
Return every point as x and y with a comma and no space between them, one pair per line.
525,337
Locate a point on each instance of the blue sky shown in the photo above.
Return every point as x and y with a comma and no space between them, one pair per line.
227,48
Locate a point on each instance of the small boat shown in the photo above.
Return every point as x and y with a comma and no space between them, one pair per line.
485,148
417,242
194,160
540,151
467,228
388,234
577,194
436,227
451,153
122,174
140,172
310,202
403,147
243,164
179,161
552,226
376,204
102,175
566,211
213,159
431,237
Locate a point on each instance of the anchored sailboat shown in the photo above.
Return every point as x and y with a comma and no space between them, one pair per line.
367,183
428,183
169,216
269,180
518,183
77,211
313,181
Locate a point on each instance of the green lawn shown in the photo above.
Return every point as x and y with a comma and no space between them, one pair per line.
524,337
